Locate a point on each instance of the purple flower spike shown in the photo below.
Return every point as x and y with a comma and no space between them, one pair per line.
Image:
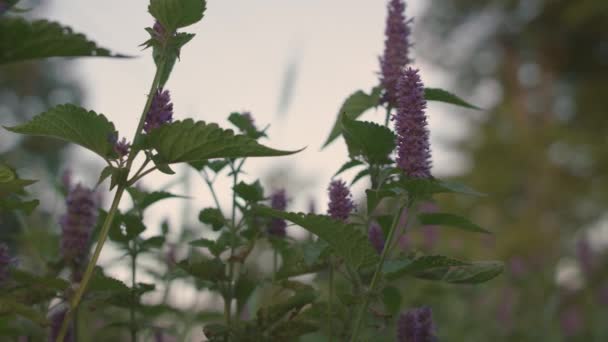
278,201
396,50
122,147
413,147
376,237
416,325
5,262
77,223
56,320
340,201
161,111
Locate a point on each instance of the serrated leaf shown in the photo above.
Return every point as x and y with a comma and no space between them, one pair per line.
451,220
348,242
174,14
10,204
213,247
22,40
440,95
359,176
133,226
271,314
474,273
103,284
355,105
152,242
188,141
10,182
368,139
249,192
105,173
10,306
349,165
394,269
73,124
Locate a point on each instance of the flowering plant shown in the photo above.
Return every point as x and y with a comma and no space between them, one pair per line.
358,264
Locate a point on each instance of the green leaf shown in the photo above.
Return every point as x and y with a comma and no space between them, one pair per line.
245,125
391,297
134,226
152,242
359,176
22,40
243,289
211,270
27,207
440,95
368,139
188,141
73,124
268,315
355,105
474,273
375,196
10,306
344,239
451,220
394,269
145,199
10,182
174,14
249,192
423,188
215,247
212,217
349,165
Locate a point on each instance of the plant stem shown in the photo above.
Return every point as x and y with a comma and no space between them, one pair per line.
376,277
330,300
388,115
133,324
103,235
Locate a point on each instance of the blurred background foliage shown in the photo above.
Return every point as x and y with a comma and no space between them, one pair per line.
539,150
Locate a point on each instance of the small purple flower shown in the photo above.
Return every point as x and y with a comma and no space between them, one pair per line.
161,111
77,223
396,50
56,321
122,147
376,237
159,30
5,263
340,200
416,325
278,201
413,147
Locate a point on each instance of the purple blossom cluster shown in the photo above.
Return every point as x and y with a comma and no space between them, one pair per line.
77,223
161,111
376,237
121,147
5,263
413,146
56,320
278,201
416,325
340,200
396,50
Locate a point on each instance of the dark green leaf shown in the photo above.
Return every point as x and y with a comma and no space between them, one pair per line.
359,176
144,199
436,94
152,242
10,204
210,270
349,165
243,289
134,226
213,217
215,247
73,124
250,192
344,239
312,251
22,40
394,269
375,196
355,105
187,141
105,173
174,14
474,273
451,220
423,188
269,315
370,140
10,306
245,125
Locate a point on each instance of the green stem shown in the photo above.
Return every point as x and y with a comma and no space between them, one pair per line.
330,300
133,324
103,235
376,277
388,115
